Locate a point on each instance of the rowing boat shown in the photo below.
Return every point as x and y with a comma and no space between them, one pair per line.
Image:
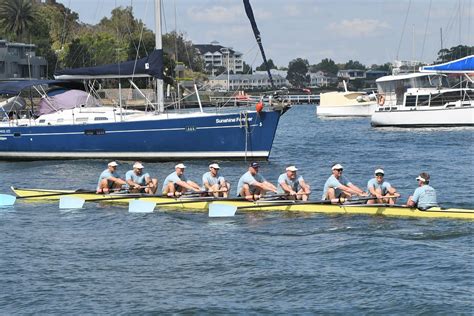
283,205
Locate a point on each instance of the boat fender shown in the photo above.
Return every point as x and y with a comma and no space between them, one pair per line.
259,106
381,100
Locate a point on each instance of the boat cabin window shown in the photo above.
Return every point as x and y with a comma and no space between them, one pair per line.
42,121
60,120
100,118
82,119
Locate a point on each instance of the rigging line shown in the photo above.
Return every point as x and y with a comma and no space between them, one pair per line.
63,36
426,31
403,30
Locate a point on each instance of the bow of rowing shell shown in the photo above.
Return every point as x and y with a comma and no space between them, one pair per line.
203,204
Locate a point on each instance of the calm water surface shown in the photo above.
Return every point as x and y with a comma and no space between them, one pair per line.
103,260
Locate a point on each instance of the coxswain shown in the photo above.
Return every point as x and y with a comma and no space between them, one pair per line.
424,196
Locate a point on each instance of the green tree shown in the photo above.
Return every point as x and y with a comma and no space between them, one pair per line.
327,65
455,52
298,73
247,69
351,64
262,67
385,67
175,45
17,17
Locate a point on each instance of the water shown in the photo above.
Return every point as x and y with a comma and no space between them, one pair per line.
102,259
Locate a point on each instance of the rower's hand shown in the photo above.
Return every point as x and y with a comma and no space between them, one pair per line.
197,190
396,194
292,192
363,194
223,189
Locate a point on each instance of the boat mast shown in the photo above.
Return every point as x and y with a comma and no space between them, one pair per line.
158,46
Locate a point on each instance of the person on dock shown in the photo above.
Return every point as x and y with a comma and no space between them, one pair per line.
381,190
337,186
109,179
292,185
140,182
215,184
424,196
176,183
253,185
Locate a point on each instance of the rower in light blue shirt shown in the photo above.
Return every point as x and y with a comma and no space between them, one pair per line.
140,182
109,179
380,190
176,183
337,186
424,196
213,183
292,186
252,185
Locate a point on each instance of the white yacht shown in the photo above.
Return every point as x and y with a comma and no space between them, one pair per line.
346,104
426,99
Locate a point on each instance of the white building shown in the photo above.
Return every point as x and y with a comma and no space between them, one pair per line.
321,79
241,82
351,74
216,56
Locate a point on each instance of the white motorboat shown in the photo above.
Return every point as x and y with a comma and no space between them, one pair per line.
346,104
425,99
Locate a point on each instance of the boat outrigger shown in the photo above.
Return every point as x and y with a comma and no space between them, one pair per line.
205,203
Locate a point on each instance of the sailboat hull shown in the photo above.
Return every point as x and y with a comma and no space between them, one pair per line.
233,135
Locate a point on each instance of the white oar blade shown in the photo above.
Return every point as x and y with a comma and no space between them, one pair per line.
139,206
71,202
221,210
7,200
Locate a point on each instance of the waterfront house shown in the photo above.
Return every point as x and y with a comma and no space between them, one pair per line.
19,61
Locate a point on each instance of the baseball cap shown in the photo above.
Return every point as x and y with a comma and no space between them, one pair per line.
137,165
180,166
424,176
254,165
337,166
214,165
379,170
291,168
112,164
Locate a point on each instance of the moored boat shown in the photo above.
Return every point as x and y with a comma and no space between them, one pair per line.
199,203
346,104
426,99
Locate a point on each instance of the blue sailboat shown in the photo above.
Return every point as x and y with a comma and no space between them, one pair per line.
87,130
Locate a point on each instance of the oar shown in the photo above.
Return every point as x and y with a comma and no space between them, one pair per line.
8,200
217,209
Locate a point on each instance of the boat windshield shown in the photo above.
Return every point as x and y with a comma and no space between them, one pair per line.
428,81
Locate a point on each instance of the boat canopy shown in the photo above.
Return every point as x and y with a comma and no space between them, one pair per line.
65,99
150,66
15,87
463,65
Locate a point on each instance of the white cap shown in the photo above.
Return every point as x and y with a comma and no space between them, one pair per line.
214,165
291,168
180,166
379,170
112,164
137,165
337,166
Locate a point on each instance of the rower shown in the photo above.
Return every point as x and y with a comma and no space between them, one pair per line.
424,196
253,185
109,179
176,183
214,183
292,185
140,182
380,189
337,186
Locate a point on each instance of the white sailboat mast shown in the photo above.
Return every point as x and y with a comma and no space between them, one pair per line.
158,46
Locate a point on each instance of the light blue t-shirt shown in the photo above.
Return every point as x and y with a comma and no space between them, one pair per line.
207,177
425,197
107,174
293,184
384,186
141,179
332,182
247,178
173,177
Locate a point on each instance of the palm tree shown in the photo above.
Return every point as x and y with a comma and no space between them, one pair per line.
16,16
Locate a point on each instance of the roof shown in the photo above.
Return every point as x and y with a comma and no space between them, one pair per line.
204,48
403,76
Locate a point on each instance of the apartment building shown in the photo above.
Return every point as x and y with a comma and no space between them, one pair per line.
19,61
242,81
216,56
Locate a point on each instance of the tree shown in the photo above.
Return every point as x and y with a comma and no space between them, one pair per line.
351,64
262,67
247,69
453,53
175,45
326,65
385,67
17,17
298,73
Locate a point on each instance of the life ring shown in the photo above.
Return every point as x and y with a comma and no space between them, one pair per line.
381,100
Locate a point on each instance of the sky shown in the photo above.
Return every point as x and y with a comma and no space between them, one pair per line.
369,31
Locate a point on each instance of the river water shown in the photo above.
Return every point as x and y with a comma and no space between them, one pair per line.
104,260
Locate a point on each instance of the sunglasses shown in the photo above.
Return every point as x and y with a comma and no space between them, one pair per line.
379,174
340,170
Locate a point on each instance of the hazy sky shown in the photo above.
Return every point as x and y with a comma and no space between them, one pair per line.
370,31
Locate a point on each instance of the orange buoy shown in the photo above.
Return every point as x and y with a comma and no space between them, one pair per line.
259,106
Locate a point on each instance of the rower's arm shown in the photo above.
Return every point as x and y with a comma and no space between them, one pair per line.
286,187
118,180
